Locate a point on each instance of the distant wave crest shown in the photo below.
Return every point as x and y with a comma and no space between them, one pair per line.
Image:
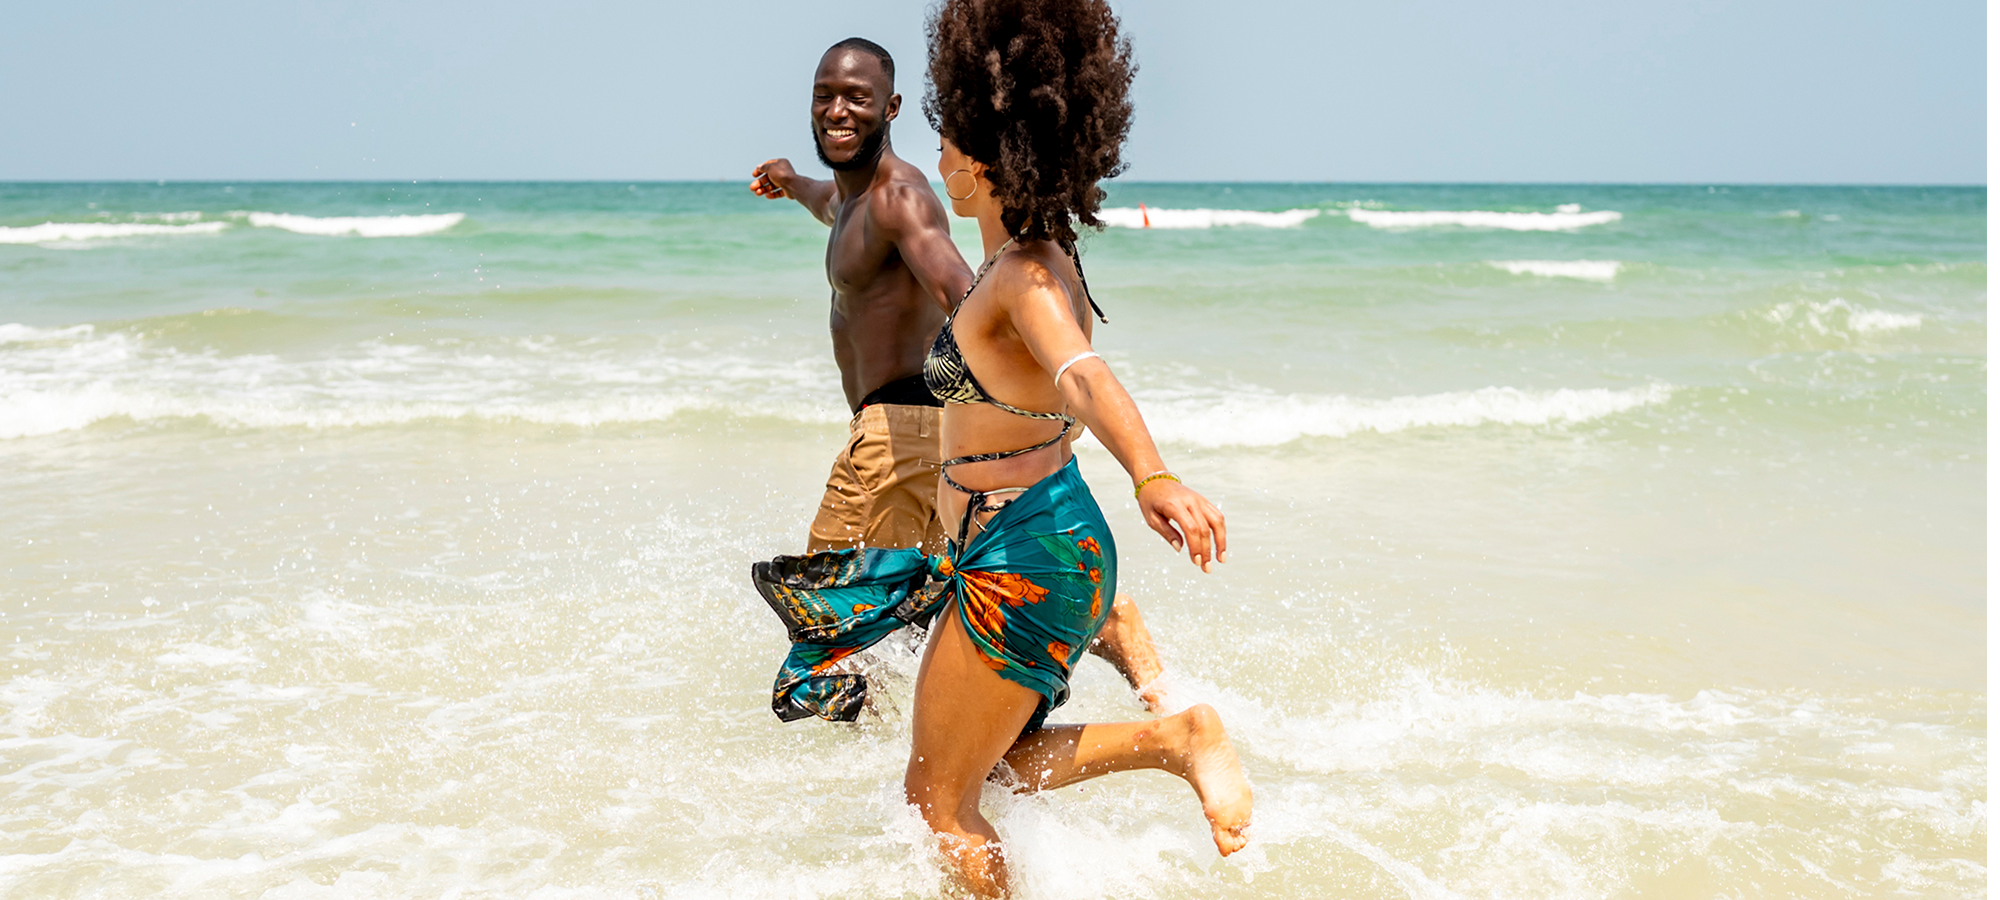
362,226
1128,217
53,232
183,223
1567,219
1583,269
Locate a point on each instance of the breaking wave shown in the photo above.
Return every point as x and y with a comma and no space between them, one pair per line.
63,379
1146,217
1566,219
1834,316
1248,418
54,380
53,232
1583,269
361,226
186,223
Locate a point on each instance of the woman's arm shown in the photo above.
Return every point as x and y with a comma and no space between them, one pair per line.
1041,313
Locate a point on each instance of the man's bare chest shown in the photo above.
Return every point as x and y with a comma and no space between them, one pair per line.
856,258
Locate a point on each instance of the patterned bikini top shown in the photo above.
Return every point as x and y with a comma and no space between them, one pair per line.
951,380
945,371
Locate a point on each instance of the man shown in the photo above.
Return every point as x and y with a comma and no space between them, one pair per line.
895,274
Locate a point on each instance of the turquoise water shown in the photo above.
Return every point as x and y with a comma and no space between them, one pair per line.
1588,541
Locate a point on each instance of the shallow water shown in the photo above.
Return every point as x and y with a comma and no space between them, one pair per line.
413,565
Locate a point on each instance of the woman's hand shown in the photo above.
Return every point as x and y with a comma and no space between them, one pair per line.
1185,519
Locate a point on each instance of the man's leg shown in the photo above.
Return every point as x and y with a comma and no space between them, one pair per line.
904,513
846,506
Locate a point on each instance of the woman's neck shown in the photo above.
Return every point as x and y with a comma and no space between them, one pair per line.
992,234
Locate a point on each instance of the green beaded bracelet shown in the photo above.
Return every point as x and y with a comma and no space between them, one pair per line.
1156,476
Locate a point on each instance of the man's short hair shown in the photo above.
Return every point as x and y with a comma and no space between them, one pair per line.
872,49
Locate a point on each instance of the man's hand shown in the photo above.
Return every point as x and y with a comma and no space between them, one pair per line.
773,179
776,180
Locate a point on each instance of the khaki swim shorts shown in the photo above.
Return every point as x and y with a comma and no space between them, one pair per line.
882,491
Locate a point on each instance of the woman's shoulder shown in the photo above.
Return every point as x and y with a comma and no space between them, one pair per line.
1032,270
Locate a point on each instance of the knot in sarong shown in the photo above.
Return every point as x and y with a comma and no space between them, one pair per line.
1030,590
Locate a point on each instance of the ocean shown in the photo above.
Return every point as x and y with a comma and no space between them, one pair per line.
1588,541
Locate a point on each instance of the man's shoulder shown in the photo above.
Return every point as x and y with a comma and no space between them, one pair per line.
905,200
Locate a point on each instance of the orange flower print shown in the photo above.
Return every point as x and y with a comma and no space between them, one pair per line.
982,612
1090,544
1059,652
1097,603
1096,576
1012,588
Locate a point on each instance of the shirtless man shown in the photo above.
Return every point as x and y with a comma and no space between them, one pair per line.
895,274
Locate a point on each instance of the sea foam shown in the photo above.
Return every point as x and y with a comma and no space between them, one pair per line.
362,226
1127,217
52,232
1583,269
1250,418
1831,316
16,333
1570,218
54,380
1867,320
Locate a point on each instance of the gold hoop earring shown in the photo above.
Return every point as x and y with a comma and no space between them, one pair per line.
968,194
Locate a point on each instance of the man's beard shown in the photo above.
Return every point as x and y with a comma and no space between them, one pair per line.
864,156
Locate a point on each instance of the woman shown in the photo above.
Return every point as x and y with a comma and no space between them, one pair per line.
1031,98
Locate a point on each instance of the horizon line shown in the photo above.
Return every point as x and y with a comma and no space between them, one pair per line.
632,181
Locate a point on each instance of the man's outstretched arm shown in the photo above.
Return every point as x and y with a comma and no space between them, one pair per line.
775,179
921,230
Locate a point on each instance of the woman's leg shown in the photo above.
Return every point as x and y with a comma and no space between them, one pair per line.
1128,647
966,717
1191,744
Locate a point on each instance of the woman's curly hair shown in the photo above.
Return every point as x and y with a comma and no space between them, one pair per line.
1039,91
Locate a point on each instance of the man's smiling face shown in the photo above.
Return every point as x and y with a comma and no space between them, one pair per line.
853,104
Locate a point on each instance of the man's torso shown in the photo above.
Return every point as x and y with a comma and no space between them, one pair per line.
883,320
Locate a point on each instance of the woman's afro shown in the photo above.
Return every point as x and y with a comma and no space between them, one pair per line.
1039,91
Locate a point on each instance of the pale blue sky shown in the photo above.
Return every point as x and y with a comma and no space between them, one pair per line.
1264,90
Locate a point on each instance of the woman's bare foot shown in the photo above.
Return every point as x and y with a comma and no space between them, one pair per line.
1210,765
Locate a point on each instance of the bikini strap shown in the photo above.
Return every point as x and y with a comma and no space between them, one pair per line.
976,504
1076,259
1068,421
980,275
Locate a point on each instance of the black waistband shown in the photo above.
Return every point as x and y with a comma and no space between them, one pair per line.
906,391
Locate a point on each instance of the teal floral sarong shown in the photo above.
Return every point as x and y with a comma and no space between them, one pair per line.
1032,590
